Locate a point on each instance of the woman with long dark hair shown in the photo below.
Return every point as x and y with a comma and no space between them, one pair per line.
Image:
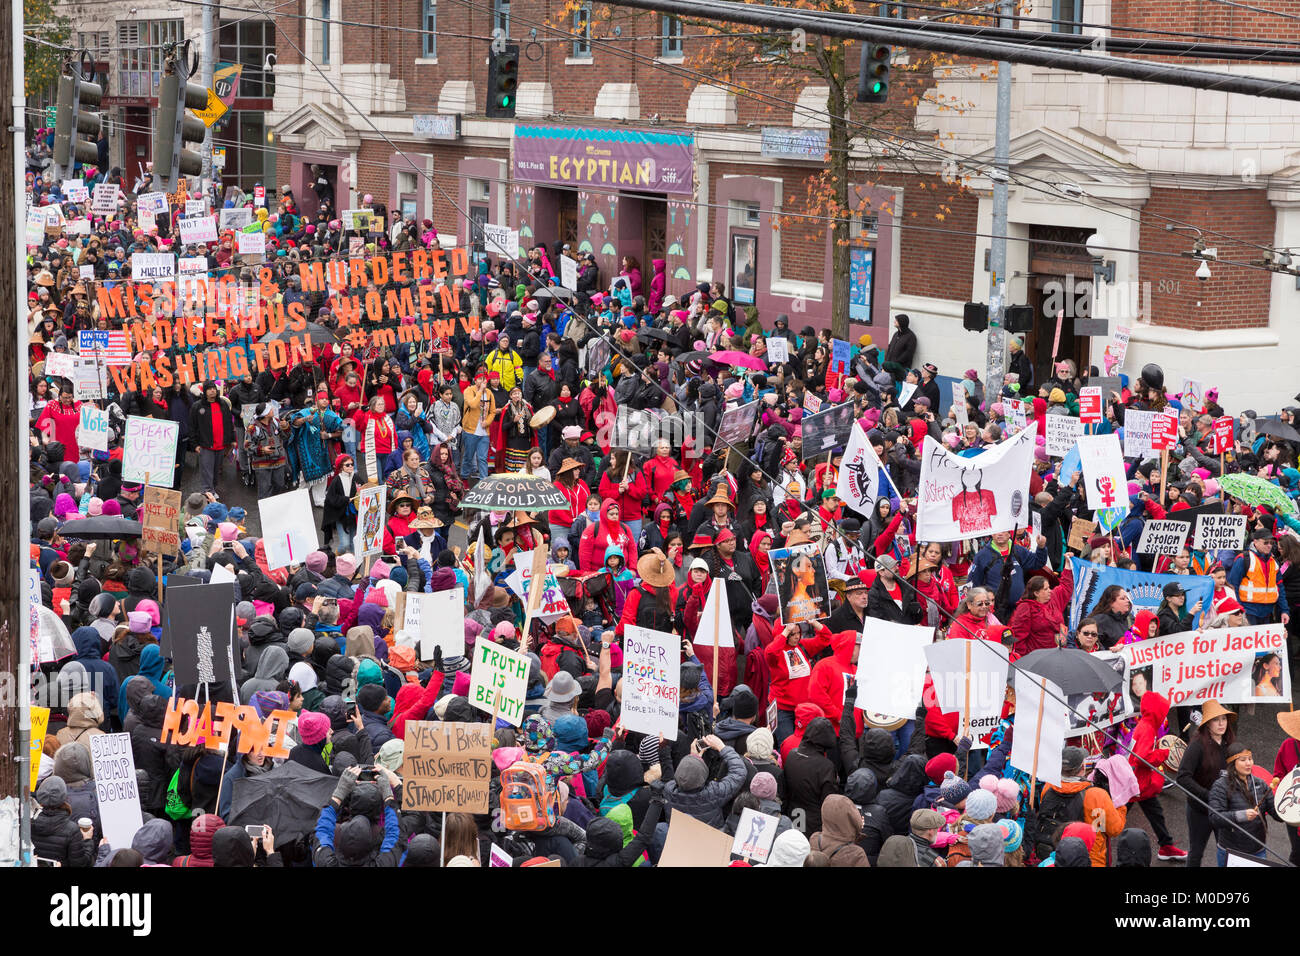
445,481
1266,675
1114,615
1239,801
1202,764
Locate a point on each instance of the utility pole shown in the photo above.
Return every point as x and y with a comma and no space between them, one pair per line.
15,713
205,72
997,344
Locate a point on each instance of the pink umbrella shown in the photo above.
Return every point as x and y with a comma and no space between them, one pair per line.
743,359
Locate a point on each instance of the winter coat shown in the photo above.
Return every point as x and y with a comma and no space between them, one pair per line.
55,836
85,715
707,803
597,538
1229,801
155,758
272,666
901,792
826,686
1036,625
91,655
881,604
840,832
73,764
986,569
1099,812
1144,753
790,692
810,775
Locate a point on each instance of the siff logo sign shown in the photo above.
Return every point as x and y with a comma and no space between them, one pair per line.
1124,301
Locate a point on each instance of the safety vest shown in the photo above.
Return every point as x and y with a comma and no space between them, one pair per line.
1259,586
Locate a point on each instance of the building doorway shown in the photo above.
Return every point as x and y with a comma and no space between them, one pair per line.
566,224
1060,274
313,190
655,230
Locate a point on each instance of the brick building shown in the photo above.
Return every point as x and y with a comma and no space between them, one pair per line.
708,172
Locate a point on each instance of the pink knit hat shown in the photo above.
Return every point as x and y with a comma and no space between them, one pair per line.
312,727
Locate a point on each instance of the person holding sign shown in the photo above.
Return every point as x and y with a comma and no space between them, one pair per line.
1254,579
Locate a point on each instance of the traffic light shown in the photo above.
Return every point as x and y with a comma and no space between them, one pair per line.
72,120
173,128
503,80
873,73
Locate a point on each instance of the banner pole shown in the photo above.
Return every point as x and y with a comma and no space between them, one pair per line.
1038,739
716,624
965,723
1164,474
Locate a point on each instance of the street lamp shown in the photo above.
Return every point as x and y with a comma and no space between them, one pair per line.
1103,270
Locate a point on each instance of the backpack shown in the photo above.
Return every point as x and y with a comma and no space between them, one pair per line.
527,801
1055,810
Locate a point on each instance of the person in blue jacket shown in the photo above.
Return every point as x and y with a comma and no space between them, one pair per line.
986,569
352,843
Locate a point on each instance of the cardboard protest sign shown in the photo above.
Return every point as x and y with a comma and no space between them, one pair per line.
1104,478
1137,433
151,202
827,430
1041,724
159,532
970,680
755,834
116,789
1223,435
198,229
735,425
104,202
152,266
651,681
1062,432
89,378
213,725
74,190
1144,588
811,403
778,350
149,450
371,501
236,218
34,229
60,364
893,682
436,619
553,605
446,766
497,670
40,721
288,528
1163,537
251,243
961,498
200,626
862,479
1233,665
195,207
692,843
800,575
1220,532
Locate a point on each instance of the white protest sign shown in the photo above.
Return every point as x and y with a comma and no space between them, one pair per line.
1042,719
553,604
116,789
778,350
74,190
149,449
34,233
1240,665
1117,350
1103,471
651,681
905,393
195,207
1163,537
860,483
89,379
152,202
236,218
153,266
1062,432
568,273
974,672
436,619
76,227
252,243
893,683
221,573
715,617
92,428
959,404
288,528
961,498
60,364
499,670
105,201
198,229
85,272
1220,532
501,240
1137,433
755,834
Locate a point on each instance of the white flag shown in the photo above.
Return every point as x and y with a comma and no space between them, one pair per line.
962,498
860,474
716,615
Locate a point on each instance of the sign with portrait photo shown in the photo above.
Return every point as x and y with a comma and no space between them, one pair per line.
744,268
800,575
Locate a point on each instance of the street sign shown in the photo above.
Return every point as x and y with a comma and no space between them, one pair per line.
213,111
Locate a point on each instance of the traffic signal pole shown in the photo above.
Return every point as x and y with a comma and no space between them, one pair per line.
996,352
205,71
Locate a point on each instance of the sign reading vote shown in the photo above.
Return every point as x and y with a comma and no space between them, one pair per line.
92,428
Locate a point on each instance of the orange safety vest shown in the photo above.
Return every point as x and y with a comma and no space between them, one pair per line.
1259,586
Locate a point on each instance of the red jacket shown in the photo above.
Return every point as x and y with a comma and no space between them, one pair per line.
804,715
576,497
658,473
1036,625
64,423
1143,745
791,692
826,686
629,502
598,537
970,627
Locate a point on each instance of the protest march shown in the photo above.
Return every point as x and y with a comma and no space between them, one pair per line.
620,575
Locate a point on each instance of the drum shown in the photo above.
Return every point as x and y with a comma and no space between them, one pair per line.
1286,799
883,721
542,417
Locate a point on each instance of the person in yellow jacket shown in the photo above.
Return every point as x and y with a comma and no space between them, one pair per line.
476,425
506,362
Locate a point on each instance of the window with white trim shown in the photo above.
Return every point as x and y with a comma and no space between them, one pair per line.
429,26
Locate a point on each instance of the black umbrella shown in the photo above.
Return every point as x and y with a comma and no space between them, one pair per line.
1277,429
318,333
1074,671
101,526
288,798
653,333
514,492
552,292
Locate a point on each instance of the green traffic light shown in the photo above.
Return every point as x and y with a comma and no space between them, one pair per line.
877,87
505,101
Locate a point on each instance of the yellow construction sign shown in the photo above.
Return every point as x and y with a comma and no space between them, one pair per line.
213,111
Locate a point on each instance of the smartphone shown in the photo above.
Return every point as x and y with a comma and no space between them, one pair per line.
46,861
228,546
369,773
255,831
351,706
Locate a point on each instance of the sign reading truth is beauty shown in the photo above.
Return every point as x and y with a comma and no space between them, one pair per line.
651,160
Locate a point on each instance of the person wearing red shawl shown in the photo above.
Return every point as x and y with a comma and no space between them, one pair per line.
401,512
348,397
759,546
661,470
385,433
694,596
383,386
597,538
827,474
